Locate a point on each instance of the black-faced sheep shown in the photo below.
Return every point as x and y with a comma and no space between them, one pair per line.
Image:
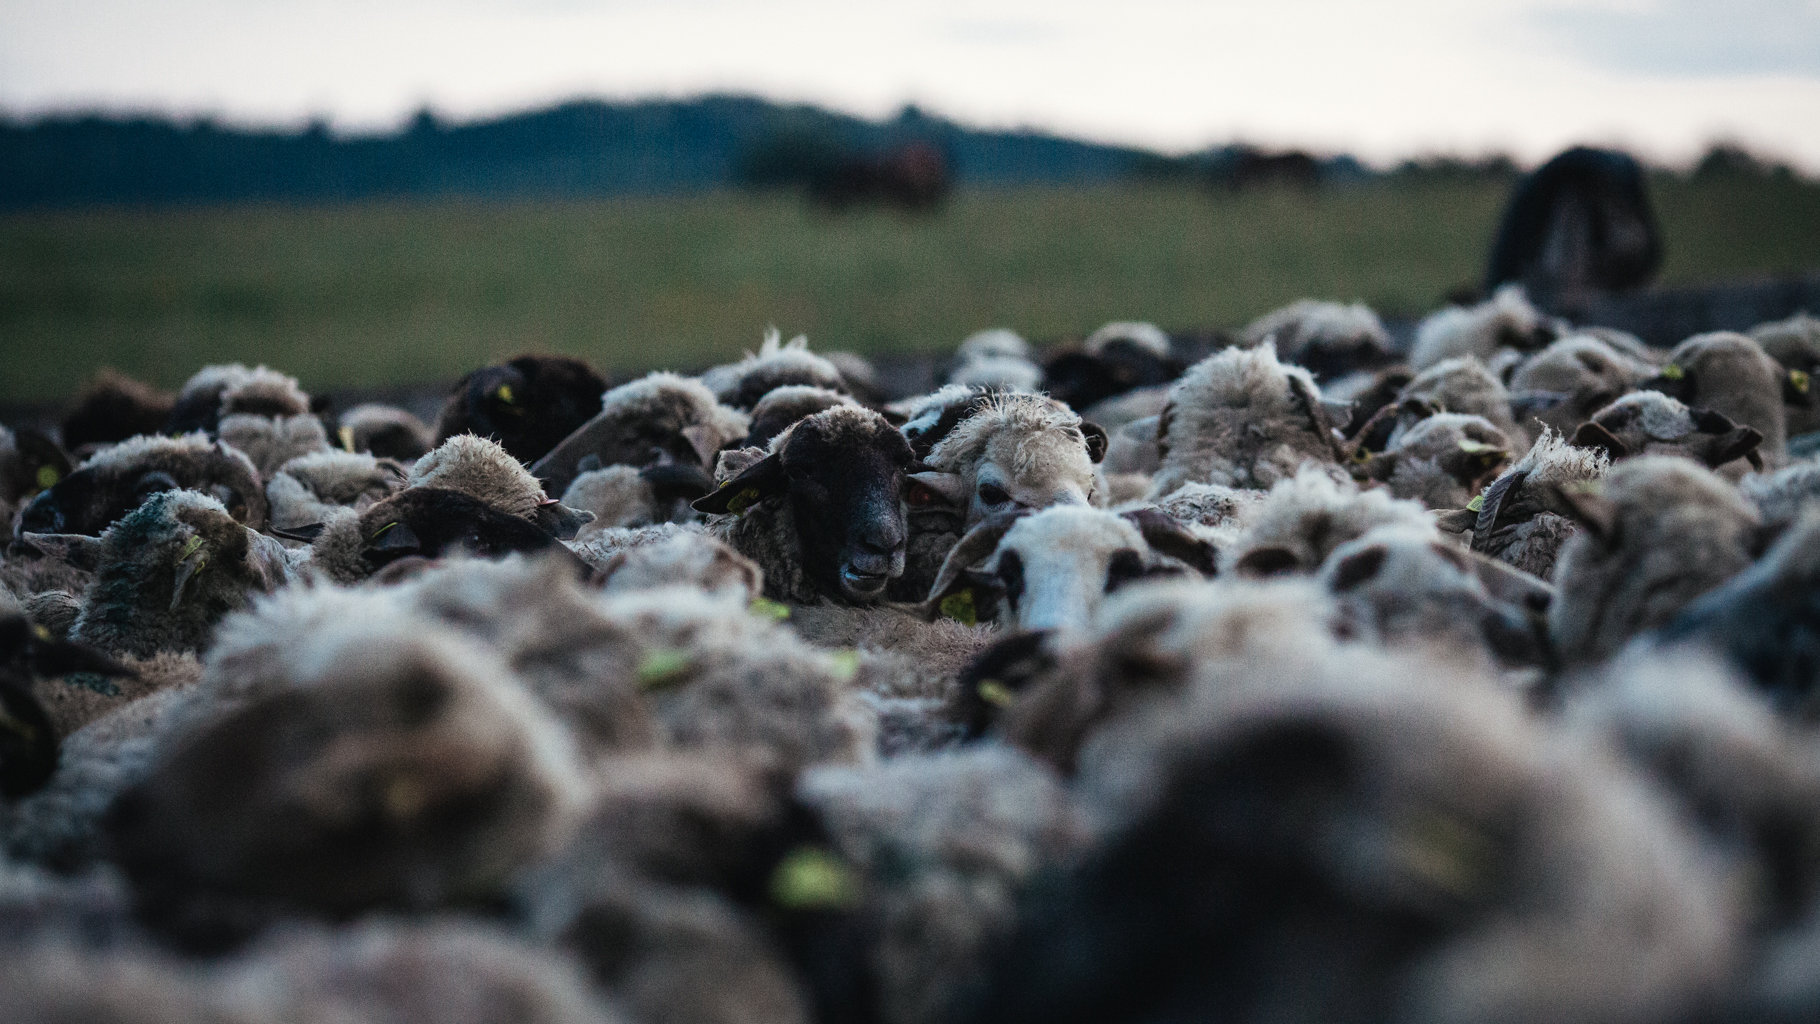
1117,358
659,419
484,470
1242,419
111,409
198,402
385,432
420,523
528,404
115,480
822,513
1328,339
1731,374
30,462
777,363
28,737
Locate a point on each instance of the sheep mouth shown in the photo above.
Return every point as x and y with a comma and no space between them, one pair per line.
858,582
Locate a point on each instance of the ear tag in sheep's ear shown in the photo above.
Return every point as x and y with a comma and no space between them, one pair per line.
845,664
662,668
23,730
1673,371
959,606
1477,504
995,693
811,878
1444,851
48,475
1471,447
1796,378
190,561
504,393
765,608
743,501
346,434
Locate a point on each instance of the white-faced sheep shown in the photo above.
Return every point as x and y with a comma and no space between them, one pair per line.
1241,419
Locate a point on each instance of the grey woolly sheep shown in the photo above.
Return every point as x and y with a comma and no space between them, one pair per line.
629,497
784,406
271,441
1780,496
997,358
1328,339
1795,345
1442,460
385,432
116,479
169,571
1131,450
263,392
670,556
1651,423
1521,519
823,512
482,469
303,491
1506,320
1464,386
1731,374
945,844
1241,419
659,419
1654,533
740,385
198,402
1573,378
1303,518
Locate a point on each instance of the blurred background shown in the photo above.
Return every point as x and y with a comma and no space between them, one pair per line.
387,194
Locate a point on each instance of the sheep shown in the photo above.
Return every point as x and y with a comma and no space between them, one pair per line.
998,359
485,470
1651,423
385,432
28,737
928,419
527,404
1211,505
1328,339
1296,526
169,571
30,462
1573,378
1463,385
198,403
263,392
93,693
659,419
1241,419
822,511
1116,358
341,763
1795,345
625,496
1442,460
1015,451
944,844
270,442
1506,320
740,385
1520,519
305,488
1051,569
111,409
1780,496
1359,839
416,524
1729,373
993,343
115,480
784,406
1654,533
625,560
1764,620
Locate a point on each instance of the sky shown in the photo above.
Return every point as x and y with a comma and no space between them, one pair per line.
1383,79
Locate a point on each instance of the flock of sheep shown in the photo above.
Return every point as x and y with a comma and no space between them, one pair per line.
1317,680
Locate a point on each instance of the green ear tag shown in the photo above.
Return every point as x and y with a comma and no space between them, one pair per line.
809,878
381,531
1795,377
662,668
743,501
995,693
1673,372
765,608
346,434
959,607
1471,447
845,664
505,393
48,475
1477,504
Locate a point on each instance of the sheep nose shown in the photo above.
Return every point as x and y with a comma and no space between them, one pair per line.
41,516
882,538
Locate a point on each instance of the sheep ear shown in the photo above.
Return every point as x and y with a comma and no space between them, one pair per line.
1673,381
1168,537
976,546
1493,500
396,536
705,440
1457,520
1592,435
1736,443
1304,394
559,520
969,599
1358,568
1096,440
949,487
1797,389
1266,560
74,549
1593,512
306,534
675,480
1524,404
757,482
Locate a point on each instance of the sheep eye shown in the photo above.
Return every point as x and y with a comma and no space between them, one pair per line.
1126,566
993,495
919,495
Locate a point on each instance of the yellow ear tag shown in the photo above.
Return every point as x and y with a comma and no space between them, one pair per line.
809,878
504,393
1471,447
662,668
1477,504
959,607
1673,372
347,438
381,531
845,664
743,501
765,608
189,548
41,633
48,475
995,693
1361,456
1795,377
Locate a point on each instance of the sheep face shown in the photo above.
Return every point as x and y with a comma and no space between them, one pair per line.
843,475
658,420
430,522
118,480
1443,460
1015,452
1651,423
1564,384
528,405
1730,373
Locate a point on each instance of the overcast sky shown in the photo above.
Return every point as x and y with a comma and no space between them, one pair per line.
1381,78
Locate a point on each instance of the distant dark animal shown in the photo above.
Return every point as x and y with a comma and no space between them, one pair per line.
1253,168
528,404
913,177
1581,223
114,408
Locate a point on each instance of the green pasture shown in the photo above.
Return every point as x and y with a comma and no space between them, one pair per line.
382,293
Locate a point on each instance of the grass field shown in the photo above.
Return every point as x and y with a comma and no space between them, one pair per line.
393,293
